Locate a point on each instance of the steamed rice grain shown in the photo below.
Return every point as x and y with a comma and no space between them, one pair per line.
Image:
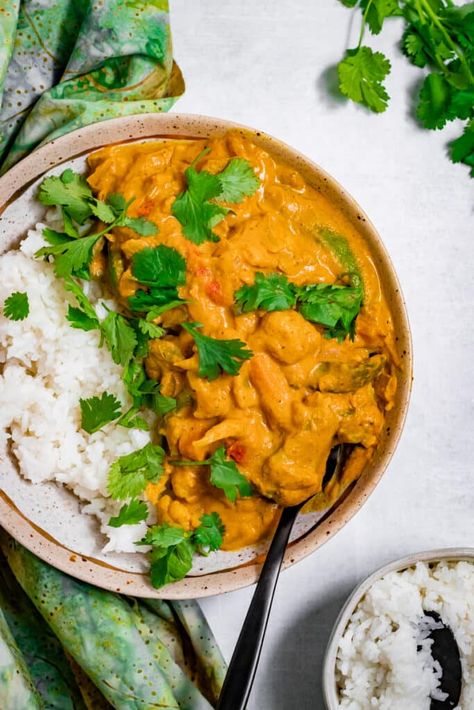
47,367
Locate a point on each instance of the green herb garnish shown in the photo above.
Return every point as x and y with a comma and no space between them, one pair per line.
224,474
270,292
120,337
196,208
162,270
72,252
215,355
16,306
96,412
130,474
333,306
172,550
130,514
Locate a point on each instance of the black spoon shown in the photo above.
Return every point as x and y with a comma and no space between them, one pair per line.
444,649
241,673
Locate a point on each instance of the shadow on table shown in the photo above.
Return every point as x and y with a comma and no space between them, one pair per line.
297,663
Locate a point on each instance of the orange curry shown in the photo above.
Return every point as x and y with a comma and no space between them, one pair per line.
301,393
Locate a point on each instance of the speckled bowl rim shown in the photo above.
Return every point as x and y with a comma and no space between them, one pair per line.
453,554
172,125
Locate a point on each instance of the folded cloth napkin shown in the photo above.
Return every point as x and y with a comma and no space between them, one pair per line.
67,63
64,644
68,645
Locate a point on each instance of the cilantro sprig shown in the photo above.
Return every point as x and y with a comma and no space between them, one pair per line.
130,514
224,474
16,306
172,548
333,306
129,475
438,37
198,209
72,251
161,270
215,355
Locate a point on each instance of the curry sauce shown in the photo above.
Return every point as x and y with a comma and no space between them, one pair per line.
301,393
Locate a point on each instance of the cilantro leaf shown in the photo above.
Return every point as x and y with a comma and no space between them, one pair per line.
140,225
132,420
462,104
209,535
193,209
154,299
170,564
361,74
272,292
376,11
462,149
162,269
159,267
16,306
96,412
433,109
84,317
130,514
146,392
238,180
70,191
163,536
55,238
150,329
333,306
102,211
70,256
226,476
78,319
120,337
215,355
118,202
129,475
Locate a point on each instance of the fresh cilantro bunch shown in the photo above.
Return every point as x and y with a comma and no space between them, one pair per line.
172,548
198,208
333,306
224,474
438,37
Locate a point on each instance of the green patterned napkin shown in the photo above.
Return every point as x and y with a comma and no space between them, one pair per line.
67,63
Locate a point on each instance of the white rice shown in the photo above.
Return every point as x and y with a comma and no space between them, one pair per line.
47,367
377,663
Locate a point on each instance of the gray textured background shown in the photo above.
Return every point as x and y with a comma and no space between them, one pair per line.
262,63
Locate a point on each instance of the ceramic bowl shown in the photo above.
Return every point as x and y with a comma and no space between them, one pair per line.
111,574
330,690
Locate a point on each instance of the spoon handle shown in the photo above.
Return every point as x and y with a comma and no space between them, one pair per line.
241,672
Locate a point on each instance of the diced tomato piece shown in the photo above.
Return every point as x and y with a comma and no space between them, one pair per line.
146,207
214,291
236,451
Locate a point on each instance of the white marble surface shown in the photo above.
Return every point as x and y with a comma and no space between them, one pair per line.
261,63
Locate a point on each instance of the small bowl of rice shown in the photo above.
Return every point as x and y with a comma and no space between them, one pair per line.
378,655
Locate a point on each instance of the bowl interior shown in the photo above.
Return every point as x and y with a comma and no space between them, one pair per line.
455,554
128,575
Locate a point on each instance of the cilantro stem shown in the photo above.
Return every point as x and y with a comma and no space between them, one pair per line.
364,22
424,4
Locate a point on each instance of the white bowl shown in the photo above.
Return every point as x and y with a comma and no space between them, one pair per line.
455,554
